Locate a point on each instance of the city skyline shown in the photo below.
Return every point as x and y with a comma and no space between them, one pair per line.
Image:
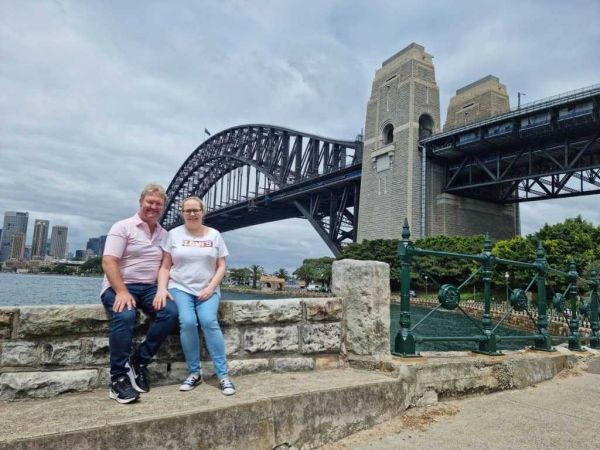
99,105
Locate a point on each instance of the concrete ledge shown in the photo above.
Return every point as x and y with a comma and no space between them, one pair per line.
303,409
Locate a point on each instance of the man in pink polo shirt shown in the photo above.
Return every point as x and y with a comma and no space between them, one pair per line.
131,260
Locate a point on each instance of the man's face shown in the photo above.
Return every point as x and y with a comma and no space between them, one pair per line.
151,208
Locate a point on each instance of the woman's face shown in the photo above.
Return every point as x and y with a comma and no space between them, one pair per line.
192,212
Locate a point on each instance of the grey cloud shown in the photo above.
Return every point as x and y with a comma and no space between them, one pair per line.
99,98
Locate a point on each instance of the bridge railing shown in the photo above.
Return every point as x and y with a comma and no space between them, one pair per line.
568,303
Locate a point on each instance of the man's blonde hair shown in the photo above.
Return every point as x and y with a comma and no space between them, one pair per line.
195,198
154,189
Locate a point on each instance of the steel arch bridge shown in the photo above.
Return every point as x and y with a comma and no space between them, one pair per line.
253,174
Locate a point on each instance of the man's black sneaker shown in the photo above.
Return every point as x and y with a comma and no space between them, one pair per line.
138,375
122,391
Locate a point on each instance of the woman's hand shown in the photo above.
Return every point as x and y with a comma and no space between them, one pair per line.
206,293
160,299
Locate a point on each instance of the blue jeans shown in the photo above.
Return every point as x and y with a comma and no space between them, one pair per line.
192,311
122,325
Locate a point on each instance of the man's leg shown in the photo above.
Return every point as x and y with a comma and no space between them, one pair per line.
163,322
122,325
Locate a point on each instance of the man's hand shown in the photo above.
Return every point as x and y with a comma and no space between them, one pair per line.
123,300
160,299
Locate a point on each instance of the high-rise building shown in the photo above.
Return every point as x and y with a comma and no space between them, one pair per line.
17,245
93,244
96,245
40,238
14,222
102,244
58,241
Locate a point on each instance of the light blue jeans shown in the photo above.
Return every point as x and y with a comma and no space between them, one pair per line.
192,311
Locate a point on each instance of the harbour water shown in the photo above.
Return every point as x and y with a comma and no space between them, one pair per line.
26,289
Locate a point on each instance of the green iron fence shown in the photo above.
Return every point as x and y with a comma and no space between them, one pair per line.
568,303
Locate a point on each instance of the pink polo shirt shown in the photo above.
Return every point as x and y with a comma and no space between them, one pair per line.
139,252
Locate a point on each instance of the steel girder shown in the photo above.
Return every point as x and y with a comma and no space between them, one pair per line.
548,151
254,174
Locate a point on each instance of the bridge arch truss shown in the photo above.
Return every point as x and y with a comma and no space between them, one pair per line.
252,174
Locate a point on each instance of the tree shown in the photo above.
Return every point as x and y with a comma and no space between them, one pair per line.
93,265
255,272
282,273
240,276
315,270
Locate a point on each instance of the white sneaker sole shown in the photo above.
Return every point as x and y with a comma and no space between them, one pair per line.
123,401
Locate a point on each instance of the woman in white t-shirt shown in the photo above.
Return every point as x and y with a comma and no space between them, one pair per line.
192,268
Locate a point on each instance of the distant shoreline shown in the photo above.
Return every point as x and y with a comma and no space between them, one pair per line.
292,293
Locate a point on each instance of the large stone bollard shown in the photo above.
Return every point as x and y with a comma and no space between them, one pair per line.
364,287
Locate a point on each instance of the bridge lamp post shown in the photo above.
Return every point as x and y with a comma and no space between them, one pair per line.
506,277
426,285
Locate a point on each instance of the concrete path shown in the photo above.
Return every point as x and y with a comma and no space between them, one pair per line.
563,413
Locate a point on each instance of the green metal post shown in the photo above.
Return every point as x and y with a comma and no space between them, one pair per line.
594,313
487,346
574,337
404,344
544,343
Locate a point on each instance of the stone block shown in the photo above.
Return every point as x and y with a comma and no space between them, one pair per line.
95,351
323,309
270,339
15,385
261,311
65,353
19,354
364,287
177,372
62,320
158,373
7,316
314,418
170,350
248,366
321,338
327,362
232,340
293,364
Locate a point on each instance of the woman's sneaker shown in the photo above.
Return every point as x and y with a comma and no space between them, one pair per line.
227,387
190,382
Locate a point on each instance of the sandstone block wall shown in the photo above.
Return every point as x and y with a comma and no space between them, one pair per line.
45,351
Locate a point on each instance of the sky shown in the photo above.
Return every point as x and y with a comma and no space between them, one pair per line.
99,98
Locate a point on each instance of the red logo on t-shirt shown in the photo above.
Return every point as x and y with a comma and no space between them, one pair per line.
188,243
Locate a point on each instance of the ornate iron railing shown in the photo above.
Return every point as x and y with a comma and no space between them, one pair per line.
568,303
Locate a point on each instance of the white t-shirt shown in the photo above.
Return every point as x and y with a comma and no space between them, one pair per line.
194,258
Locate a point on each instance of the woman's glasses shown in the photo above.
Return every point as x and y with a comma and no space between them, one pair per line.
192,211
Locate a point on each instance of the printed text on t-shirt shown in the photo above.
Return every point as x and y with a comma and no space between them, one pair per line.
188,243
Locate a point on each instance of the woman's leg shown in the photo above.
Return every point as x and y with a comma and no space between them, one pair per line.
215,343
190,342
